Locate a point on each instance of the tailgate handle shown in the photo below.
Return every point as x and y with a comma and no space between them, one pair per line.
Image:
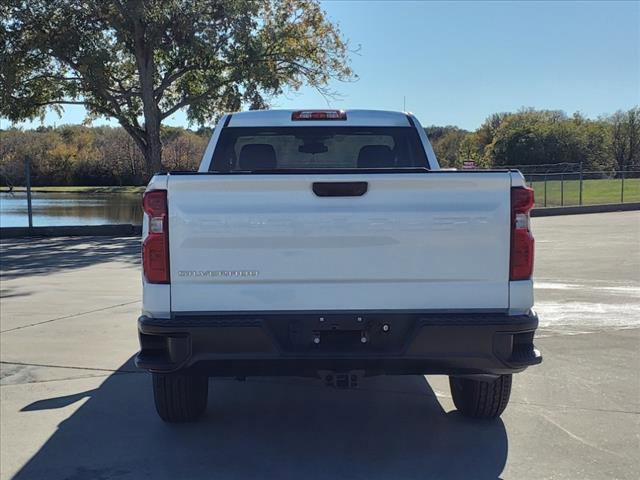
340,189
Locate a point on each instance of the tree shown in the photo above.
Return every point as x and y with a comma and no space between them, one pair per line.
625,138
446,143
183,149
471,149
535,137
140,61
595,142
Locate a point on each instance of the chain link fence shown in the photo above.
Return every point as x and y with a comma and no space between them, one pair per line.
567,184
585,188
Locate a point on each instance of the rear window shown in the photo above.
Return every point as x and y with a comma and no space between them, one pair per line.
242,149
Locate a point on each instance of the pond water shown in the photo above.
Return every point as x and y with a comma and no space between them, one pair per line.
50,209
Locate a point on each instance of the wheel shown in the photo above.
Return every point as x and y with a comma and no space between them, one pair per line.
481,399
180,397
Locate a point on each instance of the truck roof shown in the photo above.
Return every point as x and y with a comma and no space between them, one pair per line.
355,118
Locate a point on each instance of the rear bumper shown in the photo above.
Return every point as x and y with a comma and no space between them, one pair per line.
304,343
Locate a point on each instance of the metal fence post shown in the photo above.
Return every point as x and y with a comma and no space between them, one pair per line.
545,189
562,189
27,176
622,187
580,201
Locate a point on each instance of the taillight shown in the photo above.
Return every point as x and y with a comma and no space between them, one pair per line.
319,115
522,243
155,248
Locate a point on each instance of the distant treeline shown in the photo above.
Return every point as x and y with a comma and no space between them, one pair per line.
81,155
541,137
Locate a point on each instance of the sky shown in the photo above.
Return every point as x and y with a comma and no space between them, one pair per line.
455,63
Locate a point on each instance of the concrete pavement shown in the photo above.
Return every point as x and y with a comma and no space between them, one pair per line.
73,406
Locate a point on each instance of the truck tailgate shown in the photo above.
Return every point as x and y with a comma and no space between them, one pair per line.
268,242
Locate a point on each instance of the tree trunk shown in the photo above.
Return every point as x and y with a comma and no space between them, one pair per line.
151,111
153,152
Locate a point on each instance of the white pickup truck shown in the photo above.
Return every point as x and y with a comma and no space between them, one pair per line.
330,244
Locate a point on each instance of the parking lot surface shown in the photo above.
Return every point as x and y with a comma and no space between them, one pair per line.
73,406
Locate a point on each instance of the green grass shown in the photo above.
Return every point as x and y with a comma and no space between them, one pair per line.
594,192
114,189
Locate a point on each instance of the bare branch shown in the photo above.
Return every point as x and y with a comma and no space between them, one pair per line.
170,79
61,78
185,102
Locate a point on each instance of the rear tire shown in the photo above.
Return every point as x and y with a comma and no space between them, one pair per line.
179,397
480,399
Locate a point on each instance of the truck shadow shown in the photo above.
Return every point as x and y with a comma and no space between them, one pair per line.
391,427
